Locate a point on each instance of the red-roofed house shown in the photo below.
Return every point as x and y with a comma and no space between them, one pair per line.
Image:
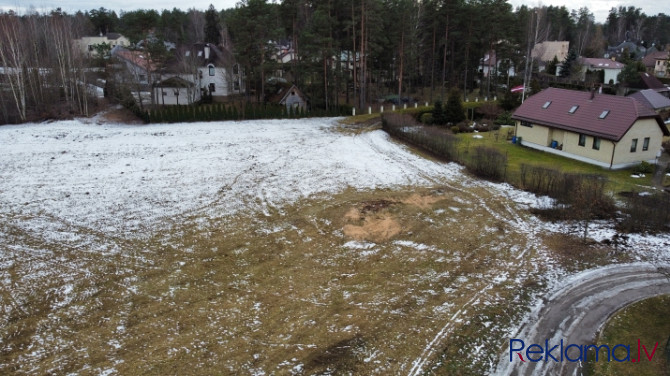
606,130
610,68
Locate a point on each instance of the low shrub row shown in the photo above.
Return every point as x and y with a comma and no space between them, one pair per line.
248,111
577,196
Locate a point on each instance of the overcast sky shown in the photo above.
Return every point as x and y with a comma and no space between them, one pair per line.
600,8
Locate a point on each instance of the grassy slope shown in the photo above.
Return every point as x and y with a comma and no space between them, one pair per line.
619,180
647,321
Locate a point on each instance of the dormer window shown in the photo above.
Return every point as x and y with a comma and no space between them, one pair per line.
604,114
573,109
546,105
211,70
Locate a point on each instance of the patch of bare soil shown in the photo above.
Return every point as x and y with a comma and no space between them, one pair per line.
422,201
371,221
374,229
120,115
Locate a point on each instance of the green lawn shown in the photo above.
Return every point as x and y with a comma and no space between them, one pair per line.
619,180
646,321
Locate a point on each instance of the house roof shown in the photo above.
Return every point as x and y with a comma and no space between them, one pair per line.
113,36
652,99
195,55
648,81
282,91
650,60
137,58
601,63
599,115
174,82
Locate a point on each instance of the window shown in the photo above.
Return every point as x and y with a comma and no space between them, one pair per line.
212,88
164,93
211,70
236,69
633,146
526,124
604,114
596,143
573,109
236,85
546,105
645,144
582,140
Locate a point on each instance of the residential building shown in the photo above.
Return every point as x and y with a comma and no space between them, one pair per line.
610,68
546,51
286,94
657,63
112,40
605,130
215,71
176,91
491,62
652,99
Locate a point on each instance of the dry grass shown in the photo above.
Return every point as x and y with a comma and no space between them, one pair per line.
575,253
293,292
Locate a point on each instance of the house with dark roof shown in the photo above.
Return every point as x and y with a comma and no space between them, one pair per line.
605,130
286,94
652,99
212,69
634,51
218,73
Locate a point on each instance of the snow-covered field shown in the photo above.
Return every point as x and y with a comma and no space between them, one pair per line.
97,223
119,178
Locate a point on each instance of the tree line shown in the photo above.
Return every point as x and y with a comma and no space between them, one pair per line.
344,51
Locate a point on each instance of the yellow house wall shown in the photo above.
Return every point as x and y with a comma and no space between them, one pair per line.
641,129
604,155
537,134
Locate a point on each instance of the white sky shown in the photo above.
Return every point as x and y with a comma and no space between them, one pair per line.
600,8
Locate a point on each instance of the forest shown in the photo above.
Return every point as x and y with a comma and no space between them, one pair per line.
345,51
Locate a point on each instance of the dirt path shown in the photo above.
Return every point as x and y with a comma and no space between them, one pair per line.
576,313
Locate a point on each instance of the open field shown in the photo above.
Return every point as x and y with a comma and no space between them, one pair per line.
267,247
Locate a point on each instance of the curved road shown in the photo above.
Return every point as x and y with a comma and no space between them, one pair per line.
576,312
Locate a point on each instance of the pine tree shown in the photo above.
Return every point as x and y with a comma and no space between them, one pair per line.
566,69
454,111
552,66
212,26
439,117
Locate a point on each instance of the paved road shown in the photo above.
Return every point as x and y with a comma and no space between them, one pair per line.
576,312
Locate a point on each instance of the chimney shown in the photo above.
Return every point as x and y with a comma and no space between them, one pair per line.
207,51
600,90
593,93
